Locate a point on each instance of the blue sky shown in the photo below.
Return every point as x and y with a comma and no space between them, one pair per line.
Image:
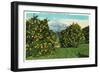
58,16
61,19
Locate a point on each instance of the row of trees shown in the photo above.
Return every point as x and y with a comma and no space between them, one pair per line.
73,35
41,41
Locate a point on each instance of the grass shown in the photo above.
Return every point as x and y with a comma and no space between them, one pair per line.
80,52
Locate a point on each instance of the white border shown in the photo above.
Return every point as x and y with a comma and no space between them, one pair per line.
55,62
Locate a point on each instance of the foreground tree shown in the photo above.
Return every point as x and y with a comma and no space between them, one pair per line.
39,39
71,36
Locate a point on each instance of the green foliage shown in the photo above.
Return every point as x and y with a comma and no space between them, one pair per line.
80,52
72,36
39,39
86,34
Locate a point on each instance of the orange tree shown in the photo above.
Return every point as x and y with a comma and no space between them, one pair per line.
71,36
39,39
86,34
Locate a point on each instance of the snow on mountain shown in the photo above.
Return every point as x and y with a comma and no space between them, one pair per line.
57,26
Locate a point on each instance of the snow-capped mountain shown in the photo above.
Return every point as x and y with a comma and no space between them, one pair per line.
57,26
